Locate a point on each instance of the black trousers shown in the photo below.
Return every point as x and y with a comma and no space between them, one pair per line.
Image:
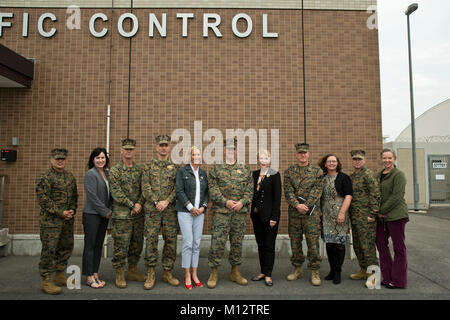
265,238
94,234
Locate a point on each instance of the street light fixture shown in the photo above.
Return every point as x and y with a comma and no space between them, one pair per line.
413,7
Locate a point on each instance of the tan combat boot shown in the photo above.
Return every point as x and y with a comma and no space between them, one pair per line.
150,282
297,273
120,279
170,279
60,279
49,287
360,275
213,278
235,276
133,274
315,278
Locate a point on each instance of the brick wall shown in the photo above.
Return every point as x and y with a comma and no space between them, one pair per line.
225,82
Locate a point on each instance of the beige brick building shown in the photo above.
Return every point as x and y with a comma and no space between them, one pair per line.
253,82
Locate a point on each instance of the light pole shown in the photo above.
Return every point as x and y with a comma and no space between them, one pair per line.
413,7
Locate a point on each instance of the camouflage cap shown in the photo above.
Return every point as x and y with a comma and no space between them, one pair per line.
302,147
230,143
163,138
58,153
128,143
358,154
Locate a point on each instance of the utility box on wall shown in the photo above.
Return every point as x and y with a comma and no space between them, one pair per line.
9,155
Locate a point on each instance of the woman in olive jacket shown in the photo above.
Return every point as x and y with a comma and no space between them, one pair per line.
391,223
192,201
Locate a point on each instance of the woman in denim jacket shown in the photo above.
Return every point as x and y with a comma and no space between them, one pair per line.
192,201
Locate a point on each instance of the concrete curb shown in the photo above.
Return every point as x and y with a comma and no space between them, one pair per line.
30,245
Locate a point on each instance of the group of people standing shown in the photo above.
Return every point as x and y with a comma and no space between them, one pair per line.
159,196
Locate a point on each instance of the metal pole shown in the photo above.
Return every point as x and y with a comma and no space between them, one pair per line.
108,120
304,74
413,126
2,193
129,81
108,110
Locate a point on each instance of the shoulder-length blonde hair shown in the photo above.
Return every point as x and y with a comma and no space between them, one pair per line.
187,158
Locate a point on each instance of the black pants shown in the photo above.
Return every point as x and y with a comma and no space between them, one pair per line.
265,238
94,234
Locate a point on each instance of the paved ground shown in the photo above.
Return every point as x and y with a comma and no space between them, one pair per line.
428,238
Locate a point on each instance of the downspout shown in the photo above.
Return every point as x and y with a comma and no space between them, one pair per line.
108,113
2,193
3,231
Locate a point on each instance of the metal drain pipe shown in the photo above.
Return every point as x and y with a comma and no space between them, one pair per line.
108,116
2,193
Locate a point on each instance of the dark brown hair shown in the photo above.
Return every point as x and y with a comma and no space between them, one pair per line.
96,152
324,160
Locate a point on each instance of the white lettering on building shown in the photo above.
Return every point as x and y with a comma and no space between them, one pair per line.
211,24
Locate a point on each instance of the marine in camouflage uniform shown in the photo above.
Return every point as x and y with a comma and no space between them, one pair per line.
364,207
159,191
228,182
304,180
127,214
56,191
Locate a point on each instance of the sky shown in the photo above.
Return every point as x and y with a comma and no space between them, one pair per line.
430,41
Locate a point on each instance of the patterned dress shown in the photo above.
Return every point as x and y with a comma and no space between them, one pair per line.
331,203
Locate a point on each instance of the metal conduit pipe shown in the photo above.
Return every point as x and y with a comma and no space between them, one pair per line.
3,231
108,115
2,193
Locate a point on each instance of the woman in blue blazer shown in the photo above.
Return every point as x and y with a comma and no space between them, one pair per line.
96,214
192,201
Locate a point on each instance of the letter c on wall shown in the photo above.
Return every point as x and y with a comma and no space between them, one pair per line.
92,25
42,32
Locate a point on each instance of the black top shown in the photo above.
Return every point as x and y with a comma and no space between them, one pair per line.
267,199
343,185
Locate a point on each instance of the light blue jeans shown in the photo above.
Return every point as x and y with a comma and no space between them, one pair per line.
192,230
